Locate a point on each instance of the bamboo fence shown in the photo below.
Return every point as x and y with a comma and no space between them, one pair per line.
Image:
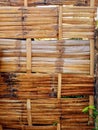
44,85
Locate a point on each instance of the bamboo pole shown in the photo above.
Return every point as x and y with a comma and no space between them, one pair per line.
60,34
29,117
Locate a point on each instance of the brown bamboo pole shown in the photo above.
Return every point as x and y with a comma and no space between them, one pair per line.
29,117
91,97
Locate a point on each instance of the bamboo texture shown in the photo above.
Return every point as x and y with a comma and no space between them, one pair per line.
44,85
43,22
45,112
39,86
68,56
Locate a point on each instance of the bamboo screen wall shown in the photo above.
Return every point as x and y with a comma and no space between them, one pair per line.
46,64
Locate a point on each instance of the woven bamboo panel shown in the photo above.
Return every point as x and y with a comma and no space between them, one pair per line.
67,56
44,2
29,22
38,86
78,22
44,112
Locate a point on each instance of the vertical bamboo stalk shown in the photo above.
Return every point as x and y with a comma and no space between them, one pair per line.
25,3
29,117
29,57
60,34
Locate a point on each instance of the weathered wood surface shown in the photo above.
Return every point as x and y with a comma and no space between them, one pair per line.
42,22
68,56
45,112
46,2
35,86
